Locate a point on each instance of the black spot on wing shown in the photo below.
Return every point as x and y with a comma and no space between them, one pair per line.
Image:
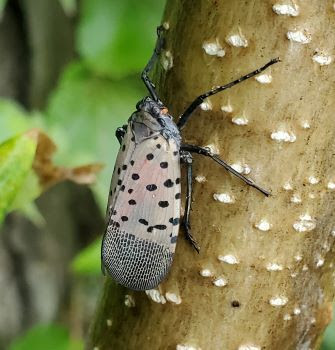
132,202
124,218
160,227
143,222
164,165
163,204
150,156
174,221
168,183
151,187
177,196
135,176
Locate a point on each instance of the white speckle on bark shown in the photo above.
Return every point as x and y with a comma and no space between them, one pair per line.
206,105
274,267
278,301
298,258
109,323
322,59
155,296
311,195
297,311
249,347
320,261
305,223
305,124
200,178
227,108
96,348
229,259
287,186
331,185
166,25
173,298
286,10
213,149
240,120
305,268
313,180
186,347
287,317
332,233
295,198
283,136
220,281
299,36
167,60
264,78
213,49
237,40
263,225
294,274
224,198
242,169
206,273
313,320
129,301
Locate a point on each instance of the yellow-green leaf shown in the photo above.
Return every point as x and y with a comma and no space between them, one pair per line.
16,158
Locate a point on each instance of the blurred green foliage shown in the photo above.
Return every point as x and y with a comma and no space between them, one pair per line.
95,94
47,337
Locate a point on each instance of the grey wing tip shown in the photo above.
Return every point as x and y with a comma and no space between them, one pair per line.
133,262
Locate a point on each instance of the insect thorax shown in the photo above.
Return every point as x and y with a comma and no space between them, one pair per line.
150,119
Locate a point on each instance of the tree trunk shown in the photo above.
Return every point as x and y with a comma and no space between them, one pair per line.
264,276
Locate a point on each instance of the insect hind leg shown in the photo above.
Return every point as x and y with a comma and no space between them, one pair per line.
206,152
187,158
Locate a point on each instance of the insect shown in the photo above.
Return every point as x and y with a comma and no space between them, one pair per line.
144,204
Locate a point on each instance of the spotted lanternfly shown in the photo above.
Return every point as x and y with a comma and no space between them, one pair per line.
143,212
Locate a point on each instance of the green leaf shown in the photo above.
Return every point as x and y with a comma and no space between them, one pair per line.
117,37
87,262
42,337
83,115
16,158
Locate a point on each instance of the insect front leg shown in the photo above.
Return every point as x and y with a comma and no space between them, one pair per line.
145,77
198,101
187,158
206,152
120,132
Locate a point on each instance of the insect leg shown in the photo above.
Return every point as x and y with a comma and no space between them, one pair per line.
206,152
187,158
187,113
148,83
120,132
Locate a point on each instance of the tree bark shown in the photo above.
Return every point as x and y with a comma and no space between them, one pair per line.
264,276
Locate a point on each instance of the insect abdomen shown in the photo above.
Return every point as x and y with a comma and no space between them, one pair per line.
136,263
